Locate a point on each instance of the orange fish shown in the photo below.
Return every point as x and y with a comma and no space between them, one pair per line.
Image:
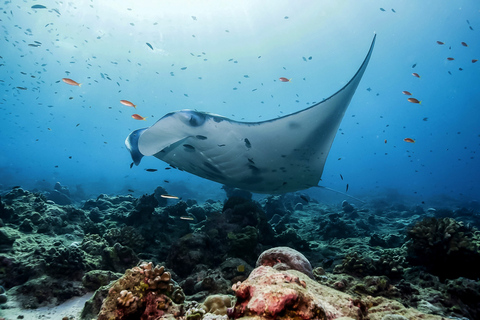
406,93
464,44
283,79
450,59
71,82
127,103
474,60
409,140
138,117
416,75
440,42
413,100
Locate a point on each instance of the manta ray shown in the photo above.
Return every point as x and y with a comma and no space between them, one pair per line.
276,156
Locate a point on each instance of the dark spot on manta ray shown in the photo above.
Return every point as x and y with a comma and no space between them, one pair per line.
254,169
200,137
251,161
293,125
221,145
212,167
217,119
252,179
247,143
189,147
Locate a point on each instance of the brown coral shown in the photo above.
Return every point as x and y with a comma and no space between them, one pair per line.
144,292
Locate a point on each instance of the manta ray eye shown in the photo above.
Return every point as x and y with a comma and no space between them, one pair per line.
194,119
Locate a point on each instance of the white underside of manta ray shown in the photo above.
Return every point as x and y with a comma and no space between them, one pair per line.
276,156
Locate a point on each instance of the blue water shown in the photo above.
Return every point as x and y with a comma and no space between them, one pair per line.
226,59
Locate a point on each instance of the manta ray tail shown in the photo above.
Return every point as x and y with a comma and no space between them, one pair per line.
342,193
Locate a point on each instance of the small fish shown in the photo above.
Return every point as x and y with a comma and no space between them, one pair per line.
410,140
21,88
38,6
149,45
413,100
168,196
393,10
406,93
128,103
450,59
283,79
385,140
346,189
241,268
138,117
71,82
151,170
474,60
130,190
381,9
416,75
440,42
464,44
131,165
186,218
414,65
341,177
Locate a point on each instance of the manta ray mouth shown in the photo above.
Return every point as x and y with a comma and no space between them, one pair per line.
276,156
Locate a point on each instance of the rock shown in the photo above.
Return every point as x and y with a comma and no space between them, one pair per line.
284,258
278,294
3,295
347,207
58,197
188,251
95,279
281,295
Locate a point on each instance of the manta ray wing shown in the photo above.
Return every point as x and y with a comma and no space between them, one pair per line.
276,156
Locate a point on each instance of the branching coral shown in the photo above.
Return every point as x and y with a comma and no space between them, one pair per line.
126,298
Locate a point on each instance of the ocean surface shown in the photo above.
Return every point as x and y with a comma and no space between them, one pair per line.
227,59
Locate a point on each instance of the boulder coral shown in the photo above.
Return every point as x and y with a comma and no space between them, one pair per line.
284,258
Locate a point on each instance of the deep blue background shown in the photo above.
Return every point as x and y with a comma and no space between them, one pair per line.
228,52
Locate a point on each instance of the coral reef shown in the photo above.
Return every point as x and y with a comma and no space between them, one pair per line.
51,252
144,292
445,247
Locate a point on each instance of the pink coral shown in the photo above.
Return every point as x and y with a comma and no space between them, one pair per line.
271,293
